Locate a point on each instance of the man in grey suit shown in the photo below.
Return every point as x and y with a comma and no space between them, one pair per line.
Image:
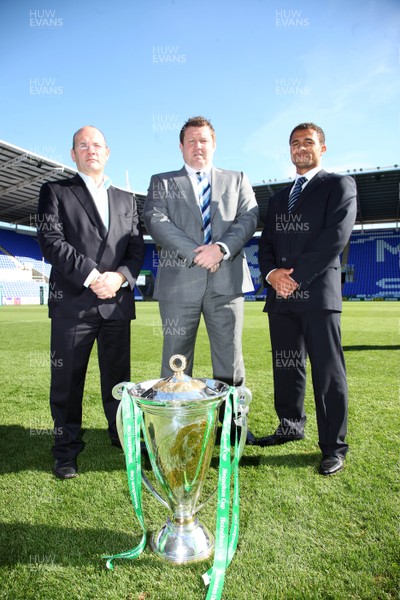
202,265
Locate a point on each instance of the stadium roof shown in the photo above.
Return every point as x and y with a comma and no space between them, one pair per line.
23,172
378,195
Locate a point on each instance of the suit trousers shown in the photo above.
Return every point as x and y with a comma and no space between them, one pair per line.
71,343
223,316
294,335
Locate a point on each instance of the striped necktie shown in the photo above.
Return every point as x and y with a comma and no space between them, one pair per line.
204,191
296,192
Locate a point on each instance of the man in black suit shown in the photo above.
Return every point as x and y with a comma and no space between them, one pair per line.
89,232
308,224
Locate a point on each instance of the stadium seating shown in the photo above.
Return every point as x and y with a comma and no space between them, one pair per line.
20,292
373,263
372,268
20,244
25,249
6,262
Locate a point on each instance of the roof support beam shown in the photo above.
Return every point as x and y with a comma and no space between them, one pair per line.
13,161
18,186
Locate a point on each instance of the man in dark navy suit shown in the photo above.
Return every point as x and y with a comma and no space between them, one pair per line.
307,226
89,232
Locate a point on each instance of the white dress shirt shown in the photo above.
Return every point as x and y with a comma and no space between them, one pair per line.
193,179
100,198
309,175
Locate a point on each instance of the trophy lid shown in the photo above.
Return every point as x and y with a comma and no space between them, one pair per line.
180,386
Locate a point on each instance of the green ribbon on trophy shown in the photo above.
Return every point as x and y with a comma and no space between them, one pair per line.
132,416
226,538
227,534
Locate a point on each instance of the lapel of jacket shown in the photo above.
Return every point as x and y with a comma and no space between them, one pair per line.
217,182
310,188
114,206
82,193
180,184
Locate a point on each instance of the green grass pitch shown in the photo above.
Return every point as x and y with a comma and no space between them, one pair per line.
302,536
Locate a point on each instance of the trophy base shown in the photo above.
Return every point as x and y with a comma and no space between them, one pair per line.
183,543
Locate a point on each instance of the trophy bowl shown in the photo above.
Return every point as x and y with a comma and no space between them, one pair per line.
179,422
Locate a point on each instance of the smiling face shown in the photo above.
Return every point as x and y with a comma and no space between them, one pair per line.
90,151
198,147
306,150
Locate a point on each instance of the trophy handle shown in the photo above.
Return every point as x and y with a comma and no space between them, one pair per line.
154,492
117,393
240,421
118,389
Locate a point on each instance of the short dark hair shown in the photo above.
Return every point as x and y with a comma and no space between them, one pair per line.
80,129
198,121
321,134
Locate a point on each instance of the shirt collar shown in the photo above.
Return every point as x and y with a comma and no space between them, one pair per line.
310,174
90,182
192,171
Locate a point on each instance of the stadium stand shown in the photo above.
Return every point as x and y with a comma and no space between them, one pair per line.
25,251
20,245
7,262
373,265
372,268
21,292
370,263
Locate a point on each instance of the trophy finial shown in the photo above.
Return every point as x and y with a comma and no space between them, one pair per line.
174,364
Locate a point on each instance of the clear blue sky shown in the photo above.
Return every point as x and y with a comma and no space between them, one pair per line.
137,69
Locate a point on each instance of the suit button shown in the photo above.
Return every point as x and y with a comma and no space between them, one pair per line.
283,259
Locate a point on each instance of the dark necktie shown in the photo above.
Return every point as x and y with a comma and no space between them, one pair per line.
204,191
296,192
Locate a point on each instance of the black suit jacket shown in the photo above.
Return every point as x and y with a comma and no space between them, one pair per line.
309,240
74,240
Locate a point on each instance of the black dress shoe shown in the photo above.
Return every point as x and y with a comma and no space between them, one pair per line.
65,468
251,439
115,442
331,464
275,439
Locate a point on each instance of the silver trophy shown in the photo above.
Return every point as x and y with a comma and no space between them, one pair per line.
179,422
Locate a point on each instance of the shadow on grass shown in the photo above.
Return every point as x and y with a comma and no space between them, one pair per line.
371,347
40,546
24,449
294,461
27,449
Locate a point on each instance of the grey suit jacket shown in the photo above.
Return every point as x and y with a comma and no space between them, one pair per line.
173,219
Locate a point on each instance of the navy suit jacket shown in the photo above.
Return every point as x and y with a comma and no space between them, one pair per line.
74,240
309,240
